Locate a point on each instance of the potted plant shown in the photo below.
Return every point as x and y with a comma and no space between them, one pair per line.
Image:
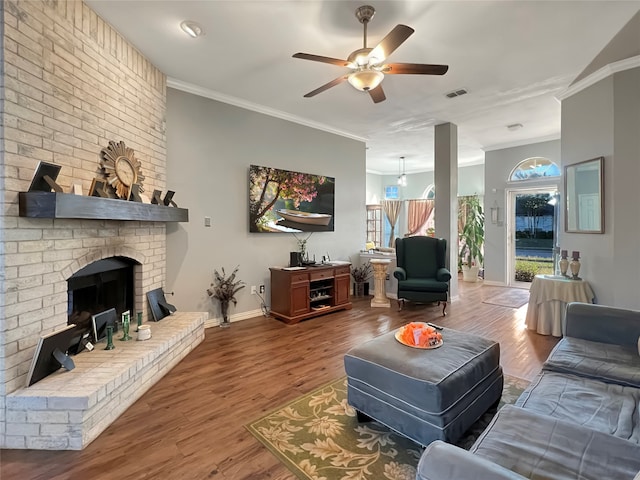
224,290
361,277
471,238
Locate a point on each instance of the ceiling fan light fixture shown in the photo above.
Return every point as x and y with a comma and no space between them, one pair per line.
191,28
365,80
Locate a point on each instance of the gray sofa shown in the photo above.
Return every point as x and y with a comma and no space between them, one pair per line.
578,419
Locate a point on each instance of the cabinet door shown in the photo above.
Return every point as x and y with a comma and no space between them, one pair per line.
341,289
299,298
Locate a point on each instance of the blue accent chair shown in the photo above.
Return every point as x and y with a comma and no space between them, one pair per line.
421,272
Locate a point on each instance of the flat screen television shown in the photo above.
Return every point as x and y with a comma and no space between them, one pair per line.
286,201
100,322
51,354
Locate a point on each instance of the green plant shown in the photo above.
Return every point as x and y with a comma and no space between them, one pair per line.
527,269
471,238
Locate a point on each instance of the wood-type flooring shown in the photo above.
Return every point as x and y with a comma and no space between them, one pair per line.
190,425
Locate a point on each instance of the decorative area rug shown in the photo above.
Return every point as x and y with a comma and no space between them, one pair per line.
318,437
505,297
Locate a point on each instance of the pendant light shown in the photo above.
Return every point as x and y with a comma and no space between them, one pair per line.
402,178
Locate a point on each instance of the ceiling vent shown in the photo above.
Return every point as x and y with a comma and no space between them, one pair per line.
456,93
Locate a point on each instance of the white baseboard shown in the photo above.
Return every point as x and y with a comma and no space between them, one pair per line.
215,322
495,284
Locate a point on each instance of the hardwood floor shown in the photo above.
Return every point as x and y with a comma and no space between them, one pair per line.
190,425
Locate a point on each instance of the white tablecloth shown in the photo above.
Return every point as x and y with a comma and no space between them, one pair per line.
548,298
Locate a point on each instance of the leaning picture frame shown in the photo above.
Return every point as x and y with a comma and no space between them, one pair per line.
97,188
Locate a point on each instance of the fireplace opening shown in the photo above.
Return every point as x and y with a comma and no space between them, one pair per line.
99,286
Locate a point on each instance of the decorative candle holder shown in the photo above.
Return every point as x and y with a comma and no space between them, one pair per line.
110,345
139,321
125,327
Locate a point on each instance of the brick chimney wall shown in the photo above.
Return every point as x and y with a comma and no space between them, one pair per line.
71,84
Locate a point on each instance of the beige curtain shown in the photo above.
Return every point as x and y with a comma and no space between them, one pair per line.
419,212
391,209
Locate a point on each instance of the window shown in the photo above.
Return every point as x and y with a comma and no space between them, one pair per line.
534,167
391,192
429,192
374,224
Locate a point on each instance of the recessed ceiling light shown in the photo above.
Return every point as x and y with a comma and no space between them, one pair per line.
191,28
514,126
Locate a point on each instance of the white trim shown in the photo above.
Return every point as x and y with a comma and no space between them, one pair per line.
492,283
214,322
238,102
601,74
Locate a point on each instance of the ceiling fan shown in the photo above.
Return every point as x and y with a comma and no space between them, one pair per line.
366,64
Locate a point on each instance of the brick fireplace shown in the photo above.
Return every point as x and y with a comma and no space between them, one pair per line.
71,84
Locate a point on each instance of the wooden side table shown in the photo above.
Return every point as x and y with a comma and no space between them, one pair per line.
379,276
548,298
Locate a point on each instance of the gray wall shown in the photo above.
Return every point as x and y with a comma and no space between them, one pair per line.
498,166
210,146
604,120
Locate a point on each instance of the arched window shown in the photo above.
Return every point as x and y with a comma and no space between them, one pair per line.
429,192
534,167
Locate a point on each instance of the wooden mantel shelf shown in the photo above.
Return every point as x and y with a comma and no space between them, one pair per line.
67,205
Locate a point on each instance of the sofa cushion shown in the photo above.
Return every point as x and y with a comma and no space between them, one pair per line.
600,361
605,407
423,284
539,446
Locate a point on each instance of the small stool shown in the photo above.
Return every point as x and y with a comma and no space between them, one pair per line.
425,394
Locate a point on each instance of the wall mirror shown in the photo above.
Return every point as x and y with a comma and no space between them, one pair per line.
584,198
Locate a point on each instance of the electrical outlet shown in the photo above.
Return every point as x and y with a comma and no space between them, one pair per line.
261,288
253,289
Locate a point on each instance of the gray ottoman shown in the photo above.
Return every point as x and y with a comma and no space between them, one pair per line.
425,395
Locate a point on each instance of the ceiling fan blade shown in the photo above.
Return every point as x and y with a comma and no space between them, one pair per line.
319,58
414,68
393,40
327,86
377,94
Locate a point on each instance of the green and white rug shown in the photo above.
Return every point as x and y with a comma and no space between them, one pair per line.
318,437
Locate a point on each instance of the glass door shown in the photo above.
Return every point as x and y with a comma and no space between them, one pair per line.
532,232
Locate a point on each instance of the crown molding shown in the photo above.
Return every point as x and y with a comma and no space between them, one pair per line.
601,74
272,112
522,143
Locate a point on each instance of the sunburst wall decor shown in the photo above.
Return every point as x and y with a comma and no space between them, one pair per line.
122,170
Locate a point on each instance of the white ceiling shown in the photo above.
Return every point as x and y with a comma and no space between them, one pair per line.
513,57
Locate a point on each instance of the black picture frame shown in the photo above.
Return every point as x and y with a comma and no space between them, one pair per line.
100,322
168,198
51,354
158,304
44,178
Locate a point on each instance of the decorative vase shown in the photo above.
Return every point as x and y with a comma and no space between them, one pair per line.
110,345
359,289
224,310
139,321
563,264
574,265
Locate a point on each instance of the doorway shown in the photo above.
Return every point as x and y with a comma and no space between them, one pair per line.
532,233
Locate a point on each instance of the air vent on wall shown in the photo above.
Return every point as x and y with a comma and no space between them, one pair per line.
456,93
